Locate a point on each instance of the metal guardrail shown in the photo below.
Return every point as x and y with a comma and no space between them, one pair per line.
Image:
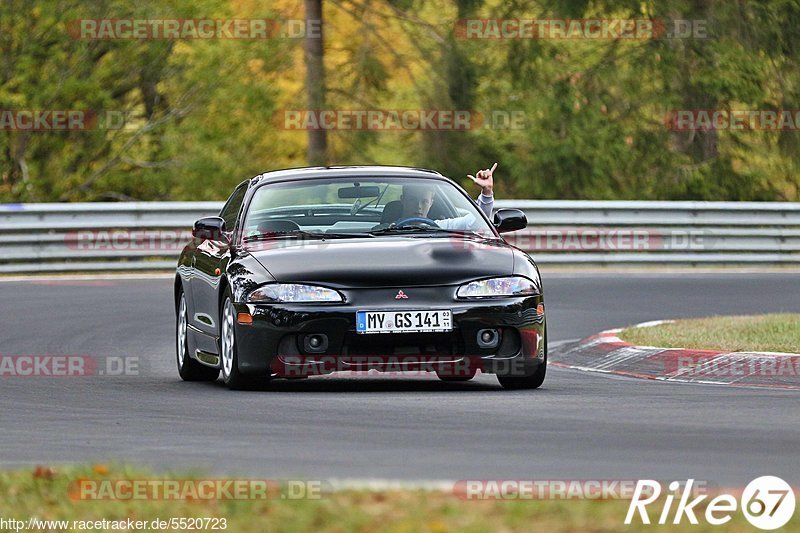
149,235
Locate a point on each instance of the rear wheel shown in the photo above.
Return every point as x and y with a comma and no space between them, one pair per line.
533,380
188,368
229,358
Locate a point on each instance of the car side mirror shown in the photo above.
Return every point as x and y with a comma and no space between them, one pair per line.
506,220
210,229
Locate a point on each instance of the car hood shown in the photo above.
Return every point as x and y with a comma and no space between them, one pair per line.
386,261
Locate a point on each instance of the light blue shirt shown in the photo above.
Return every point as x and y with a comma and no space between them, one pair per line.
485,203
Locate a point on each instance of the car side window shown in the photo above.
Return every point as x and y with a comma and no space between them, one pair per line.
231,209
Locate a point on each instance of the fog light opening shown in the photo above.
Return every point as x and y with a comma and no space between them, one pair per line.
315,343
488,338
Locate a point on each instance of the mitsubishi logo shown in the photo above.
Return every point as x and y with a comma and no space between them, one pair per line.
400,295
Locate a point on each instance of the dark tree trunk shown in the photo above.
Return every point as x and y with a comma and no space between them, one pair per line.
315,80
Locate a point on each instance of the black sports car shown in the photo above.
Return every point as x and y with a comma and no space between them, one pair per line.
317,270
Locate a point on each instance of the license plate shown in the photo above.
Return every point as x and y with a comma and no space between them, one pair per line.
440,320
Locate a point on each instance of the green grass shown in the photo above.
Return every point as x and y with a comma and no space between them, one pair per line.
778,332
45,494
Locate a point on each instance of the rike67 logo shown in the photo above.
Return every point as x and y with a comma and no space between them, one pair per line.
767,502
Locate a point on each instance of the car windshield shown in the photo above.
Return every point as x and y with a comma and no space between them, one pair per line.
349,206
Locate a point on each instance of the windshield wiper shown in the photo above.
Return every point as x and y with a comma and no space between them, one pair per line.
294,234
301,234
348,234
425,229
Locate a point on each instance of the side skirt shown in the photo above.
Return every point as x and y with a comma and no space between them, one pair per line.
203,347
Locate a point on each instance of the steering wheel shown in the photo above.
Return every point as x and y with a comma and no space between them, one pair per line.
416,220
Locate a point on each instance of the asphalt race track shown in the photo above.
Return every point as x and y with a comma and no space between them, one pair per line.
577,426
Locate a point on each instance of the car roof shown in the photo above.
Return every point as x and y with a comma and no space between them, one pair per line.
347,171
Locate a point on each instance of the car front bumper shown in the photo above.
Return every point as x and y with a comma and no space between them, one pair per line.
274,343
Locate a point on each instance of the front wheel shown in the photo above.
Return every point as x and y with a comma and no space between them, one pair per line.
188,368
229,358
532,381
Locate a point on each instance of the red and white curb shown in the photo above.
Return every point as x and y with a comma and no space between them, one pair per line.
605,352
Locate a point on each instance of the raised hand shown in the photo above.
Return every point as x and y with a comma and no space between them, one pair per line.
484,179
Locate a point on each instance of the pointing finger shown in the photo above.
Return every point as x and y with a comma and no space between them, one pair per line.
493,167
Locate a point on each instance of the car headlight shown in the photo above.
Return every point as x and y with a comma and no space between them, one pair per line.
294,293
498,288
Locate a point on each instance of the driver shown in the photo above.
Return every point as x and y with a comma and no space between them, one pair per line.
417,200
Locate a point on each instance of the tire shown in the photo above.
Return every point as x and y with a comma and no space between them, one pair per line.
188,368
229,359
532,381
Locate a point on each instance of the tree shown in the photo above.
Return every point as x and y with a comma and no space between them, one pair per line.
315,79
